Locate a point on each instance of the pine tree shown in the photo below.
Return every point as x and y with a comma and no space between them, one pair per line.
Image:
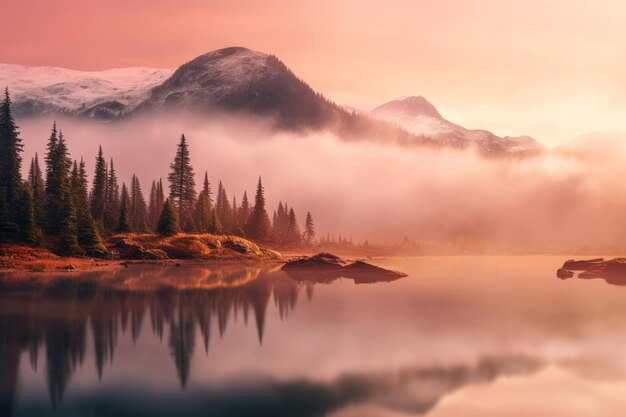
203,209
10,177
168,221
137,209
182,182
112,202
244,210
57,183
237,229
60,211
37,186
87,232
309,230
293,230
152,205
122,223
223,209
29,231
98,191
258,227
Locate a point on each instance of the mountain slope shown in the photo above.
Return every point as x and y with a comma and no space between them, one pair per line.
418,116
99,94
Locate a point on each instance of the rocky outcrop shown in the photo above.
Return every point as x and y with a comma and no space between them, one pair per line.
128,249
326,267
582,265
612,271
319,262
363,272
564,273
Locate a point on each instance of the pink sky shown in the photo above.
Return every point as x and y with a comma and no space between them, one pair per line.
553,69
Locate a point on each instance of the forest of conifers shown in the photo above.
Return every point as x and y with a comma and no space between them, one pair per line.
57,205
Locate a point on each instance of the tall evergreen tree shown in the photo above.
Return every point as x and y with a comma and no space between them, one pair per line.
37,186
98,190
237,229
168,221
223,210
258,227
293,230
10,177
309,230
157,199
86,230
244,210
112,203
123,225
202,212
152,205
137,209
29,231
182,182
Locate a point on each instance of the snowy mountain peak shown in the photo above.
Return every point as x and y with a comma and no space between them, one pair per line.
408,107
418,116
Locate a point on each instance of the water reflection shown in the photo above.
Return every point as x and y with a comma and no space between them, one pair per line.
57,315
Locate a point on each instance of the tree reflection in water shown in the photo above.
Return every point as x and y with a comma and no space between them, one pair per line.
55,312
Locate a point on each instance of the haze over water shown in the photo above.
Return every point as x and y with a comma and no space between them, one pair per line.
461,336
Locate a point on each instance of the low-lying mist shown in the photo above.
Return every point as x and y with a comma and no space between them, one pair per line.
566,199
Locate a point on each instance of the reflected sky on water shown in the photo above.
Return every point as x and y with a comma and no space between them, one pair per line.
459,336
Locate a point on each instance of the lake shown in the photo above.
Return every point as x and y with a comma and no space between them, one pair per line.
460,336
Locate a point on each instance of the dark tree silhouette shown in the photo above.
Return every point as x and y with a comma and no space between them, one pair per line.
11,187
112,203
309,230
123,225
137,207
182,182
98,190
168,222
258,226
86,229
37,186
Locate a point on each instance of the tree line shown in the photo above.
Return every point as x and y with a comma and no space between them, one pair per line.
56,205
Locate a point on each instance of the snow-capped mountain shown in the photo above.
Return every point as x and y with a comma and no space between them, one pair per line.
100,94
240,80
420,117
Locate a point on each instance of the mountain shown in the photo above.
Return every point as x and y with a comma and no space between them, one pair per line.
237,80
98,94
420,117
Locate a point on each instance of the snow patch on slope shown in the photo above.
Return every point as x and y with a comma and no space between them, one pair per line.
73,91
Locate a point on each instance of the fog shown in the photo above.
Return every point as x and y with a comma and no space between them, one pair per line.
566,199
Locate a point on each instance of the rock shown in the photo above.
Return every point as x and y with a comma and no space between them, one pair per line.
564,273
582,265
363,272
271,254
321,261
235,246
70,267
128,249
154,254
326,267
612,268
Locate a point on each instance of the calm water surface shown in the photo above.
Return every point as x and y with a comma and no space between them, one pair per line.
461,336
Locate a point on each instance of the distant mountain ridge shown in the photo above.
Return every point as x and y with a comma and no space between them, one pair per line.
239,80
418,116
